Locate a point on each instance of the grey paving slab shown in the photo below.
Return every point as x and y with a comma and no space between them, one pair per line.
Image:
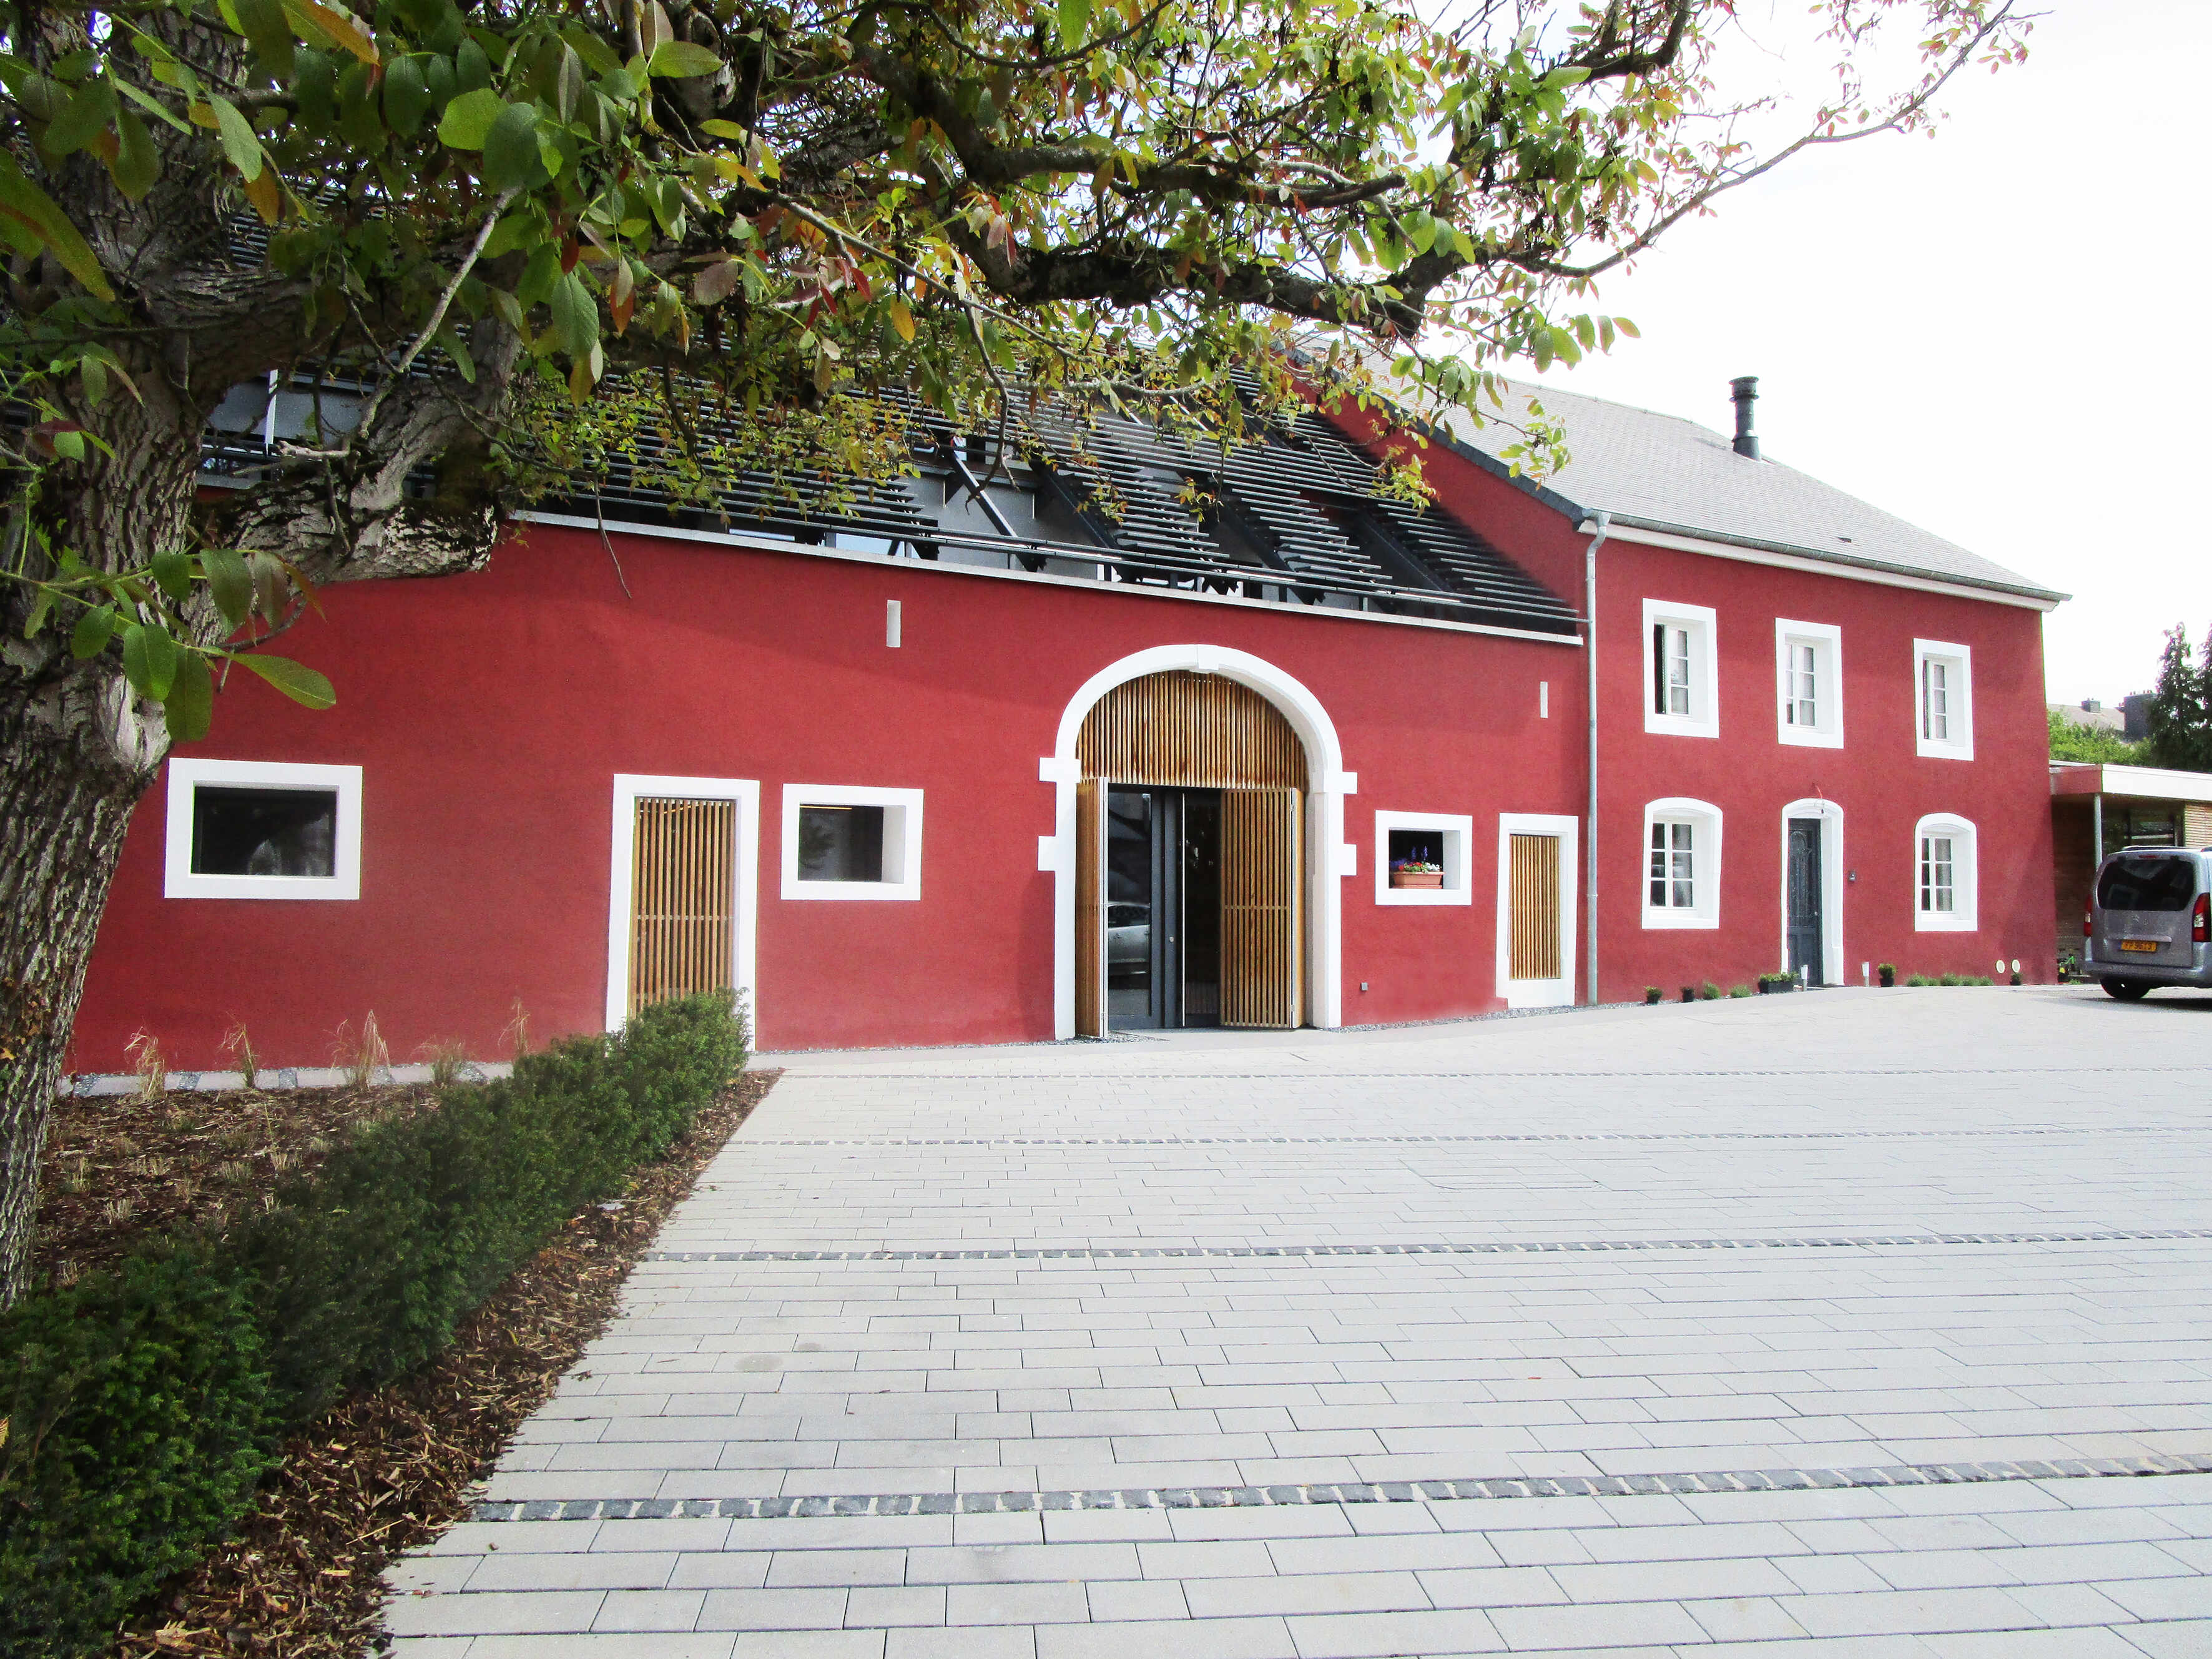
1608,1333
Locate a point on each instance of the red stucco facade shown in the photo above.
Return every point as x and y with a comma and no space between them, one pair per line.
489,714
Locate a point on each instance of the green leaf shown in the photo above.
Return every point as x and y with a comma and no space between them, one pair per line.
230,583
85,119
42,604
575,316
190,706
153,105
263,22
138,164
240,144
149,659
468,117
172,575
92,631
510,150
680,60
300,683
1074,23
406,95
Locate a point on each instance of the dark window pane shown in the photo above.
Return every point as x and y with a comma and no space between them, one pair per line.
1411,848
2148,884
840,843
264,832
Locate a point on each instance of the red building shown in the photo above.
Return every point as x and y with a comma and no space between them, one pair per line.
1017,761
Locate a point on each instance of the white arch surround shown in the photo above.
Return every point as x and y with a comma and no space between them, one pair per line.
1831,814
1327,785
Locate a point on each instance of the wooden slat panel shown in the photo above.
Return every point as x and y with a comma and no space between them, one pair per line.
683,865
1261,887
1198,731
1091,908
1534,866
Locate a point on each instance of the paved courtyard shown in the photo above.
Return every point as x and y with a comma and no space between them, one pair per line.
1877,1320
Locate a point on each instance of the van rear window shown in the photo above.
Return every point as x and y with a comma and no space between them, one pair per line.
2148,884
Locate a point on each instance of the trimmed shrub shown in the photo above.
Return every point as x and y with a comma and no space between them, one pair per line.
138,1422
142,1406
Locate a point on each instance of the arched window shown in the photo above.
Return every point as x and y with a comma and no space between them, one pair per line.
1944,875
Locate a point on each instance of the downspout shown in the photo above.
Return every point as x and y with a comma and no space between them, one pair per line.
1603,521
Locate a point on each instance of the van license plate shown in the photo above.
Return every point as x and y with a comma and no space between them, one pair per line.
2152,945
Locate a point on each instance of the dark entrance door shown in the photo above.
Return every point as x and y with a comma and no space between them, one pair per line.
1805,943
1163,907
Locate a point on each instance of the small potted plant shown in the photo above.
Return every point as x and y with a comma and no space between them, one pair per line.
1650,994
1888,974
1416,872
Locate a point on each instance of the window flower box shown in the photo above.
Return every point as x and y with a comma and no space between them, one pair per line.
1415,874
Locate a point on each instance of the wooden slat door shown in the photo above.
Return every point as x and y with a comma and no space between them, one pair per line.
683,881
1534,943
1091,908
1261,900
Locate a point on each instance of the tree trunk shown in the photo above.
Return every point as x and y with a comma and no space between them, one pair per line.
77,750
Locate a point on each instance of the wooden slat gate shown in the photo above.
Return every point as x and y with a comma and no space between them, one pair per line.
1261,907
1534,946
1090,908
683,880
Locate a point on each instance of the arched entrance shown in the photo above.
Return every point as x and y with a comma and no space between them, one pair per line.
1198,847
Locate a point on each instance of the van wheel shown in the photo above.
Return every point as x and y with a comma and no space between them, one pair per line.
2126,990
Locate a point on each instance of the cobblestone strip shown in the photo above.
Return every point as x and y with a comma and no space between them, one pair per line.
1427,1140
1509,1246
1344,1492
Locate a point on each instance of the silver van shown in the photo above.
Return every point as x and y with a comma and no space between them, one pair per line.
2150,913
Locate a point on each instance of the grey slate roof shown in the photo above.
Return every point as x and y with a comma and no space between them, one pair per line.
1660,472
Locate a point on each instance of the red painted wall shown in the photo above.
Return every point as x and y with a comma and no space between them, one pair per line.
490,712
1878,778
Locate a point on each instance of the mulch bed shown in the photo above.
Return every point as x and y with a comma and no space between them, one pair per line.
121,1167
384,1471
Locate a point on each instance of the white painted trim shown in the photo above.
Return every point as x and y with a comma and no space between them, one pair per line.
1619,531
1966,876
901,840
1832,885
1704,720
1960,747
758,544
1325,846
2147,782
185,777
1537,993
1458,832
1827,640
1704,866
744,900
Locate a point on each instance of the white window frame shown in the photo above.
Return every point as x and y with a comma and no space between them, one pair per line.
901,840
1539,993
629,787
1705,909
185,778
1704,720
1457,831
1832,876
1826,642
1964,917
1959,699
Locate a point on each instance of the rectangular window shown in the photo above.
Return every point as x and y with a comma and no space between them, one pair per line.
840,843
1935,700
1938,891
1804,709
1670,657
264,832
1422,858
1674,876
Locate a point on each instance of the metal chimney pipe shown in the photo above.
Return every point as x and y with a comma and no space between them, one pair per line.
1744,389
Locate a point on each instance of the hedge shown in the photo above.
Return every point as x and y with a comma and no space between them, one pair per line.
143,1405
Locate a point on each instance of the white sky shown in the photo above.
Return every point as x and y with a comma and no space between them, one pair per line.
2000,334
